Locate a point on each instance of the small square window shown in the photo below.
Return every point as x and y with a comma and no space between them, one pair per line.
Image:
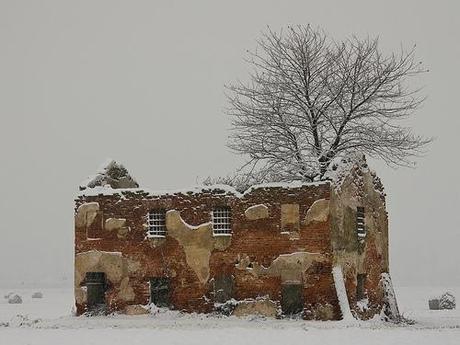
222,221
157,223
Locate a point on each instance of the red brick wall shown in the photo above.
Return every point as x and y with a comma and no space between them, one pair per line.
260,239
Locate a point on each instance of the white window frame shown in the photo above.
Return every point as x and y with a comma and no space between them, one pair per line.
221,221
156,220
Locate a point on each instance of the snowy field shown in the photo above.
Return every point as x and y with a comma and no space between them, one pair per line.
49,321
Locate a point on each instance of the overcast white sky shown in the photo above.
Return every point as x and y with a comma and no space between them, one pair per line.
142,82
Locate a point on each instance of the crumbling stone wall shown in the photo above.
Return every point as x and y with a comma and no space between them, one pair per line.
368,255
279,235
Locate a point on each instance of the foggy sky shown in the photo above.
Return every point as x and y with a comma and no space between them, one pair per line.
142,82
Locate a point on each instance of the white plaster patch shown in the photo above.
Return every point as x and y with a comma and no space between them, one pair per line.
86,213
318,212
197,241
256,212
289,267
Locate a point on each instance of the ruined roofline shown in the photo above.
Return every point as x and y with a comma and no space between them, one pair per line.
225,189
109,181
111,173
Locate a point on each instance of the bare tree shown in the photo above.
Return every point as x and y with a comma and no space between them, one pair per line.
311,99
242,180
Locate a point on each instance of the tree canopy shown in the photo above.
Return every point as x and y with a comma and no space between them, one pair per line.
310,98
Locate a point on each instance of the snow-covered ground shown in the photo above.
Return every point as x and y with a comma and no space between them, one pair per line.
49,321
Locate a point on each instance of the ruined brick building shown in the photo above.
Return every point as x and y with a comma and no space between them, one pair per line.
319,250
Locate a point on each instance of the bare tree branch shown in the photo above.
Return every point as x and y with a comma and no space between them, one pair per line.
310,99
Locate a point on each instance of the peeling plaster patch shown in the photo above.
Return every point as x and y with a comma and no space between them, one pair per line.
351,262
222,242
318,212
289,267
86,213
197,241
116,267
114,223
133,266
324,312
136,309
262,306
290,217
243,262
155,242
80,294
256,212
118,225
126,292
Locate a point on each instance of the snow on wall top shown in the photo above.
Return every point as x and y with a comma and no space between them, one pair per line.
110,174
219,188
113,178
341,167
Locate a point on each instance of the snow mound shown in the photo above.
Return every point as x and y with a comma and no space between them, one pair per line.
447,301
161,313
14,299
112,175
22,321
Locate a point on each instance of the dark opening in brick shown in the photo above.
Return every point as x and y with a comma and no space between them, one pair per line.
291,298
160,291
223,288
95,288
360,286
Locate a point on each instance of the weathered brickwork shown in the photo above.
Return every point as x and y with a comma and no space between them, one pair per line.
367,256
280,235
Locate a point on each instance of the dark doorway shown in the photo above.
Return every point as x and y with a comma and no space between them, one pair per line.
223,288
291,299
360,286
160,291
95,288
